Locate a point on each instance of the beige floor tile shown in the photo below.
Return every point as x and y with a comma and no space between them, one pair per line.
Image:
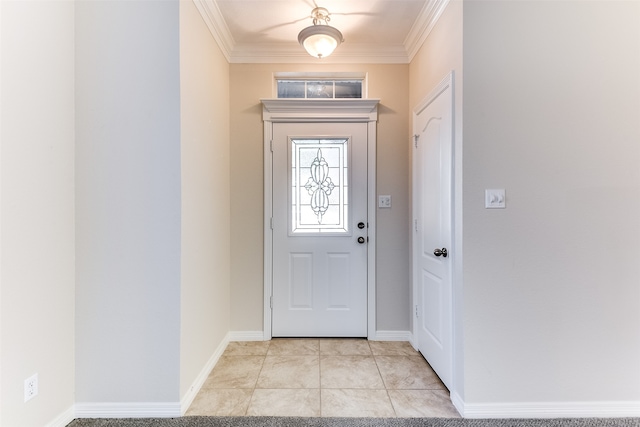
247,348
285,403
392,348
407,373
423,403
349,372
228,402
345,347
355,377
235,372
290,372
355,403
294,347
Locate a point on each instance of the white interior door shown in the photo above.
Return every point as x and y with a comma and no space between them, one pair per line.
319,229
432,229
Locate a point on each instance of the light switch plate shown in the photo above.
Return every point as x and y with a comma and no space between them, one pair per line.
384,201
495,198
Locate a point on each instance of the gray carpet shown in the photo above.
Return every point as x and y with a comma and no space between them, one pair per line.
352,422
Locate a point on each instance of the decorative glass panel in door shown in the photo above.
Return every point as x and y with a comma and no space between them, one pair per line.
319,185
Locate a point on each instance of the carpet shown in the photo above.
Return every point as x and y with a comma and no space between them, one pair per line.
351,422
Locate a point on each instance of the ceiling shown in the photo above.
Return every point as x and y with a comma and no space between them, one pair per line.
376,31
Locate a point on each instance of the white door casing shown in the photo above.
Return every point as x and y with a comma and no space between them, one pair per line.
319,251
432,210
304,119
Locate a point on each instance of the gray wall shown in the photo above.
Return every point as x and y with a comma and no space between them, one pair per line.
115,228
551,283
127,201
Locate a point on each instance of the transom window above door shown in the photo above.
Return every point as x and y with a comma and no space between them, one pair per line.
320,85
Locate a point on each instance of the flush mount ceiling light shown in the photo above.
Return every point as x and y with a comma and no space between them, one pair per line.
320,39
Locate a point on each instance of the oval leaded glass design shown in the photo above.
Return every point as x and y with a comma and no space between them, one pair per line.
319,185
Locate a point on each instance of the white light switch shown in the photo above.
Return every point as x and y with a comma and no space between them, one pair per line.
384,201
495,198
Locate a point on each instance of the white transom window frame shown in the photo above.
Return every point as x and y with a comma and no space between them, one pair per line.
319,110
314,76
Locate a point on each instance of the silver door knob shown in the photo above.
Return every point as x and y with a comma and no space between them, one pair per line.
361,240
441,252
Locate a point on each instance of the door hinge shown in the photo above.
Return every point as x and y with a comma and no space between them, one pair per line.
415,140
271,302
417,315
271,145
415,225
271,222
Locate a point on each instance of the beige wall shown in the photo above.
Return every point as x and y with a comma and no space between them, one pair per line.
37,204
551,114
249,83
440,54
205,161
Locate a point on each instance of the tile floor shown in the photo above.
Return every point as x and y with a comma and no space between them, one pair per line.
323,378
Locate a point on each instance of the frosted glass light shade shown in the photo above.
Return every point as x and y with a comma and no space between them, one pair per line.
320,40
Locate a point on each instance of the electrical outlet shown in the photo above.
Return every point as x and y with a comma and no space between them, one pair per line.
31,387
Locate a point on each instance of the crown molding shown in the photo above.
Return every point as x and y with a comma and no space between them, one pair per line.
290,53
423,25
214,20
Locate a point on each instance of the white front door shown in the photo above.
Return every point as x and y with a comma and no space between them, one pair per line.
432,229
319,229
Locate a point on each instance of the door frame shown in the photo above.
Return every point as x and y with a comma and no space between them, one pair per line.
283,110
457,353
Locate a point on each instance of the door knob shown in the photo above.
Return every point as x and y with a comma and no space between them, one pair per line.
361,240
441,252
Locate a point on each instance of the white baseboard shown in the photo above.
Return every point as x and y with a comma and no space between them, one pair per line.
246,336
392,336
379,336
457,401
64,418
148,409
547,409
128,410
187,399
